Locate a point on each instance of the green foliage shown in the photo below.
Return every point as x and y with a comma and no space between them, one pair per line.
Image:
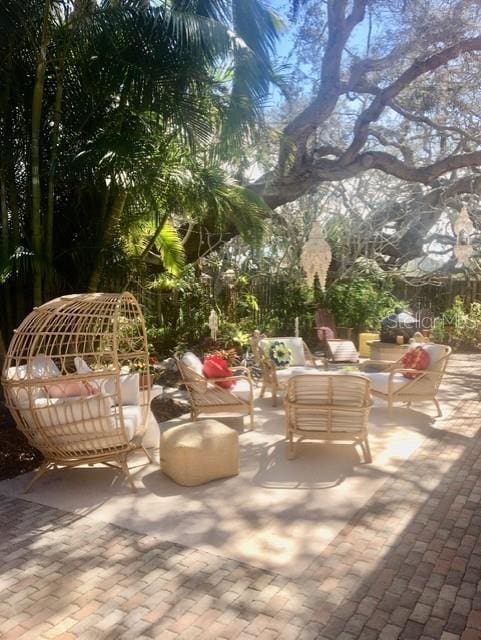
289,300
145,112
459,326
234,335
361,302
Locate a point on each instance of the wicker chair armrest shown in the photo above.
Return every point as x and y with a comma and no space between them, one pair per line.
420,373
246,370
308,355
266,363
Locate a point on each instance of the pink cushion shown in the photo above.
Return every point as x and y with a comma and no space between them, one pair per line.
72,388
216,367
325,333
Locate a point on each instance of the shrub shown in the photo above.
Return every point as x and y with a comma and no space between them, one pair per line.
459,326
361,303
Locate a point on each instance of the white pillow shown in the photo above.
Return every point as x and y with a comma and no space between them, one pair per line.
190,360
129,387
22,397
81,366
17,373
296,345
129,382
44,367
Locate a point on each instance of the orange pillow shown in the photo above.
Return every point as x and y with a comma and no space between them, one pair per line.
216,367
417,358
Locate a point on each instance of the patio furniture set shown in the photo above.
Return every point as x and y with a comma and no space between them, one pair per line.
69,383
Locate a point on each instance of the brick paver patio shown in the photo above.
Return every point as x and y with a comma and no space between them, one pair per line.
408,565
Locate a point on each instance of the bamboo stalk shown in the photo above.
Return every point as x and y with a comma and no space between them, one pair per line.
49,222
113,218
37,100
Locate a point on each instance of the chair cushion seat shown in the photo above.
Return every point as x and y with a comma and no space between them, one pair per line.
241,389
283,375
81,425
380,381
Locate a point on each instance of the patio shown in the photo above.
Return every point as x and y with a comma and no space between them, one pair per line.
322,546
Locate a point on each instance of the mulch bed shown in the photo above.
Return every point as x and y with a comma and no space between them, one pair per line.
167,408
18,457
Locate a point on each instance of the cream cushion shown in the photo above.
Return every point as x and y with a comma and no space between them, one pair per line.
242,389
198,452
85,423
380,381
283,375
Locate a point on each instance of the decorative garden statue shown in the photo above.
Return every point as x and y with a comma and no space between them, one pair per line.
213,325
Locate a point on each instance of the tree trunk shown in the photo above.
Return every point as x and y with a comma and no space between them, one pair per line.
37,100
150,244
5,249
110,223
49,223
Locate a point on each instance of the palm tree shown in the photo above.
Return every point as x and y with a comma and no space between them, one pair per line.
113,112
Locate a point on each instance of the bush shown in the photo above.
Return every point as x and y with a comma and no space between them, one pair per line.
361,303
459,326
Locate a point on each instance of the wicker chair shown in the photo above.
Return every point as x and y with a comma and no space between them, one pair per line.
336,349
206,397
392,385
97,415
328,406
276,379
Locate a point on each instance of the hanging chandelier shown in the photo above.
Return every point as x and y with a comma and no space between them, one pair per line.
463,228
463,253
316,256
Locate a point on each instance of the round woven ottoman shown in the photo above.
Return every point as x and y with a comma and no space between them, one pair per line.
198,452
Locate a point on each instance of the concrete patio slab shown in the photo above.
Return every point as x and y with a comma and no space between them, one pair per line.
277,514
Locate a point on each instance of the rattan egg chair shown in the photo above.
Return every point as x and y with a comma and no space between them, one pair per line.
70,382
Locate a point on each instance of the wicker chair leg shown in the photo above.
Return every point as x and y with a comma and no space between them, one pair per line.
291,450
44,467
251,419
126,471
366,450
274,396
438,407
149,457
263,390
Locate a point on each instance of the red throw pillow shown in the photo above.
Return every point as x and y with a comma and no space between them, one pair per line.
216,367
417,358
